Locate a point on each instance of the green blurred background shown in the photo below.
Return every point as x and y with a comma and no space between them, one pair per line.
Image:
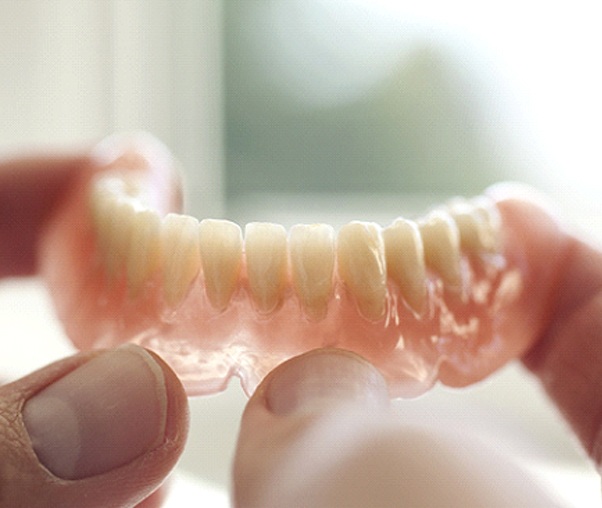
339,97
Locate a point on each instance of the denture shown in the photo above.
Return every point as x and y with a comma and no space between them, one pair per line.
450,296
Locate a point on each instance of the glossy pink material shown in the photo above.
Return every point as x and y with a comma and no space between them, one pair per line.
461,337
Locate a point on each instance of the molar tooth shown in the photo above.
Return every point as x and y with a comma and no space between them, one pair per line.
266,255
362,266
145,249
102,203
120,216
220,243
181,259
477,223
121,183
405,261
442,246
488,212
312,254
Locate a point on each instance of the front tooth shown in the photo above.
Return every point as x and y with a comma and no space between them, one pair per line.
220,243
362,266
442,246
180,248
266,255
405,261
477,224
145,249
312,254
120,217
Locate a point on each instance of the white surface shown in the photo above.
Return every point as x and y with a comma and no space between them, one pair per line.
74,71
188,491
509,409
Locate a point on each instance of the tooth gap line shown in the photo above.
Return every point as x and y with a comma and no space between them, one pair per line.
462,226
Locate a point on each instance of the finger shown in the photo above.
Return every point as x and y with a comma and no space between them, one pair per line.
567,353
29,190
283,411
100,429
318,432
568,357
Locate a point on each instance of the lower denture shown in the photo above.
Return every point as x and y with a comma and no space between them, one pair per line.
214,318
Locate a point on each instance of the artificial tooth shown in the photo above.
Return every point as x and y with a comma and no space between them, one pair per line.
220,243
312,254
144,250
266,255
118,186
404,253
119,218
442,246
488,212
102,202
477,225
181,259
362,266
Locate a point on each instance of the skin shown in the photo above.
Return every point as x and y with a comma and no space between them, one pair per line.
331,405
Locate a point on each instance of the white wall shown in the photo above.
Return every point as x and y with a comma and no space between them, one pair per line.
76,70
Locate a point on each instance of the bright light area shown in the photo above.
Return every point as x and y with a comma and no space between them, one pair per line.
539,63
550,53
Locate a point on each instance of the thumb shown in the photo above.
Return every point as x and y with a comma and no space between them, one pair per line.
318,432
284,437
100,428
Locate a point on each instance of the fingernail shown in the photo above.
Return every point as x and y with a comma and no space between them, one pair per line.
100,416
323,379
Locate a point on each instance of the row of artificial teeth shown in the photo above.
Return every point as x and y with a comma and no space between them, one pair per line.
133,236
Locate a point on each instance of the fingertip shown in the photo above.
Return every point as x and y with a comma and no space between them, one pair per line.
321,389
177,411
323,379
561,306
106,427
306,387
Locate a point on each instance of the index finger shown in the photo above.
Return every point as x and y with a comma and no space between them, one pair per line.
568,357
29,189
566,354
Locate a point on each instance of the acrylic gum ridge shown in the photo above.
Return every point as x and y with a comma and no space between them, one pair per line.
133,237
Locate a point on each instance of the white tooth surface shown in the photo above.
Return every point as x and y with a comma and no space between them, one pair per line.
119,184
144,256
181,258
477,224
102,202
491,221
312,254
109,195
266,256
442,246
362,266
119,217
220,243
405,261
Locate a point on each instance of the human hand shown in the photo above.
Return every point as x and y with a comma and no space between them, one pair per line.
59,444
315,453
319,430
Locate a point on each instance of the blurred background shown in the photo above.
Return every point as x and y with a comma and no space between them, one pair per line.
329,110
